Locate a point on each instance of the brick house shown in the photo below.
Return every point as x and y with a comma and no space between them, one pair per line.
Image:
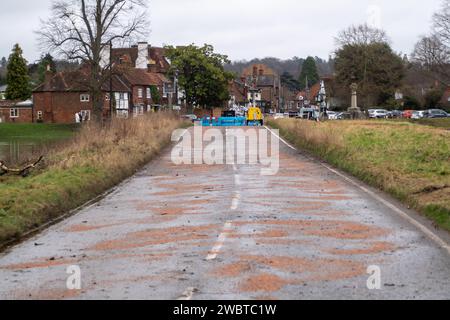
16,111
144,66
65,97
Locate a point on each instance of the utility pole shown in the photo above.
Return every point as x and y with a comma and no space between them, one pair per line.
110,81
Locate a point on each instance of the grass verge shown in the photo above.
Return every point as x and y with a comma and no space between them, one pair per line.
92,162
409,161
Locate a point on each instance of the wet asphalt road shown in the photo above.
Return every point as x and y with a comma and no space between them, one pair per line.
226,232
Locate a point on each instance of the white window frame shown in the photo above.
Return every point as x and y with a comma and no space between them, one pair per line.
149,93
85,97
14,113
140,93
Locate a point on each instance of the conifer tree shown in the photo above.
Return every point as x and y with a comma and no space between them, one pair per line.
17,77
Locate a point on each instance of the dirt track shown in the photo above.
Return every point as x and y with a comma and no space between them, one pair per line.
226,232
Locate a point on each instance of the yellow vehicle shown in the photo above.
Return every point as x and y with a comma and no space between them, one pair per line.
255,117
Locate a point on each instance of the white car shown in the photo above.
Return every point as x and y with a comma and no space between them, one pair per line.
279,116
332,115
378,114
418,115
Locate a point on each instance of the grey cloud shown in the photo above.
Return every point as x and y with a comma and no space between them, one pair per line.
244,29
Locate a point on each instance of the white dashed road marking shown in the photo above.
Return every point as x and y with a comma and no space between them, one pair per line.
220,241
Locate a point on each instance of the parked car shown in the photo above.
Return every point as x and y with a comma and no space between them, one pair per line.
378,114
437,113
397,114
190,117
293,114
344,116
332,115
407,114
278,116
419,115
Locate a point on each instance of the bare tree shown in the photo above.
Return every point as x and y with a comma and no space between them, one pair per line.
82,30
361,35
432,52
441,23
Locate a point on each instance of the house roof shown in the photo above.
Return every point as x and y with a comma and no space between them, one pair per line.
156,56
16,103
237,89
313,93
259,68
144,78
77,81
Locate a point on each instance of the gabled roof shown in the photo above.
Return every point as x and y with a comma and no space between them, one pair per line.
311,95
77,81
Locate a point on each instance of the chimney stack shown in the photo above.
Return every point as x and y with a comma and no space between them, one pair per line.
142,59
105,56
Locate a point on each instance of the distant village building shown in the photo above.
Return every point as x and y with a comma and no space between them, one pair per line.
261,85
309,95
267,81
137,72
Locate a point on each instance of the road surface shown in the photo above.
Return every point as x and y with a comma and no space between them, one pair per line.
226,232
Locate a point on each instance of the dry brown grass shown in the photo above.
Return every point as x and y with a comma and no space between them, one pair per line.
123,144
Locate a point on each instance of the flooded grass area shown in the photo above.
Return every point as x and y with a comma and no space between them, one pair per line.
21,142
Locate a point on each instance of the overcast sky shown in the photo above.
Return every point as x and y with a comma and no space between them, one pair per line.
244,29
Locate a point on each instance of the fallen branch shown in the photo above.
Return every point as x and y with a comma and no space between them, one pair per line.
24,172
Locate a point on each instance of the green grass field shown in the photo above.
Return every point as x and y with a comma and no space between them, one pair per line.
407,160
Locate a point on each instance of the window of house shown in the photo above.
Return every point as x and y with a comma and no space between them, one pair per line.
14,113
84,97
149,93
40,116
140,93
